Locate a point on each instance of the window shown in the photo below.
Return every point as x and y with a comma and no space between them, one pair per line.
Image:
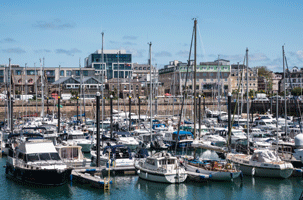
62,73
44,156
85,73
77,72
68,73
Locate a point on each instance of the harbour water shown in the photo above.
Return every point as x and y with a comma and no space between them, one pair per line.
131,187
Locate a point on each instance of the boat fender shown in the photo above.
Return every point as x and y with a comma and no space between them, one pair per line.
253,171
138,172
197,171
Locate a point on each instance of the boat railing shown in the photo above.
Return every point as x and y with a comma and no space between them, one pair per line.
37,165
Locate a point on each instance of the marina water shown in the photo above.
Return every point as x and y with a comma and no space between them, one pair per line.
132,187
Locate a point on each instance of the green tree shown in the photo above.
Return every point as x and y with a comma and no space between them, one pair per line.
263,71
296,91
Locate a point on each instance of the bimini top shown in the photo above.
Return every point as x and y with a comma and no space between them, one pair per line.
182,133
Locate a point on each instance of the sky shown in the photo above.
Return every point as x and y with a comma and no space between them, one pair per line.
66,32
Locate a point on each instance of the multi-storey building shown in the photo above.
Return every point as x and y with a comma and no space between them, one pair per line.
106,63
210,77
293,78
238,78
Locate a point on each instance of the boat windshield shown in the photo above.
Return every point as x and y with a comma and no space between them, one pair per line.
32,157
54,156
44,156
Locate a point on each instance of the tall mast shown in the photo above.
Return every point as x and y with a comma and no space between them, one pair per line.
102,79
150,92
42,88
195,77
285,110
247,101
10,94
36,88
218,79
118,55
26,89
238,91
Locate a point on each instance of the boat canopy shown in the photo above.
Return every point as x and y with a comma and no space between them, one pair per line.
158,125
183,133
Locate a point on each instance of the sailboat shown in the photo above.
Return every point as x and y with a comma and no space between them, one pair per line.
263,163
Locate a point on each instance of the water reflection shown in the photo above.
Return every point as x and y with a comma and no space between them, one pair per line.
161,190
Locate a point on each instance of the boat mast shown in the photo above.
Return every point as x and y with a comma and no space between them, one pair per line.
285,105
238,93
150,92
26,90
247,101
195,77
118,55
102,79
36,88
218,79
10,95
42,88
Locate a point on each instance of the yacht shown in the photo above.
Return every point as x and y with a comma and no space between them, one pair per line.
77,137
125,138
263,163
119,154
161,167
72,156
37,161
185,138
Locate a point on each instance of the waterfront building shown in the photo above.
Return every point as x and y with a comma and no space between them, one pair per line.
210,77
294,78
238,72
106,63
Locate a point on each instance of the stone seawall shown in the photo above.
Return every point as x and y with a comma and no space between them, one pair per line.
69,108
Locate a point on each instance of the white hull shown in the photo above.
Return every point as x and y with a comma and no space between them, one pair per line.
216,175
265,172
161,177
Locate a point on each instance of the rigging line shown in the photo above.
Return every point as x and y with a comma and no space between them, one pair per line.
200,37
236,105
298,111
183,97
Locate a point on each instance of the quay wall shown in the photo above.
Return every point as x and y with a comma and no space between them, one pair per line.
69,107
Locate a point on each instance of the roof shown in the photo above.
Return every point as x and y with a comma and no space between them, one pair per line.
85,79
62,80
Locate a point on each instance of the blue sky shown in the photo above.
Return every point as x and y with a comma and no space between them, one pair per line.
65,31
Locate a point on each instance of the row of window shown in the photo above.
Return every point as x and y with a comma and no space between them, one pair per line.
77,72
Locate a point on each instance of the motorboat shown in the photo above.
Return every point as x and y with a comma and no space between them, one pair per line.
161,167
36,161
77,137
125,138
120,156
263,163
185,139
72,156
